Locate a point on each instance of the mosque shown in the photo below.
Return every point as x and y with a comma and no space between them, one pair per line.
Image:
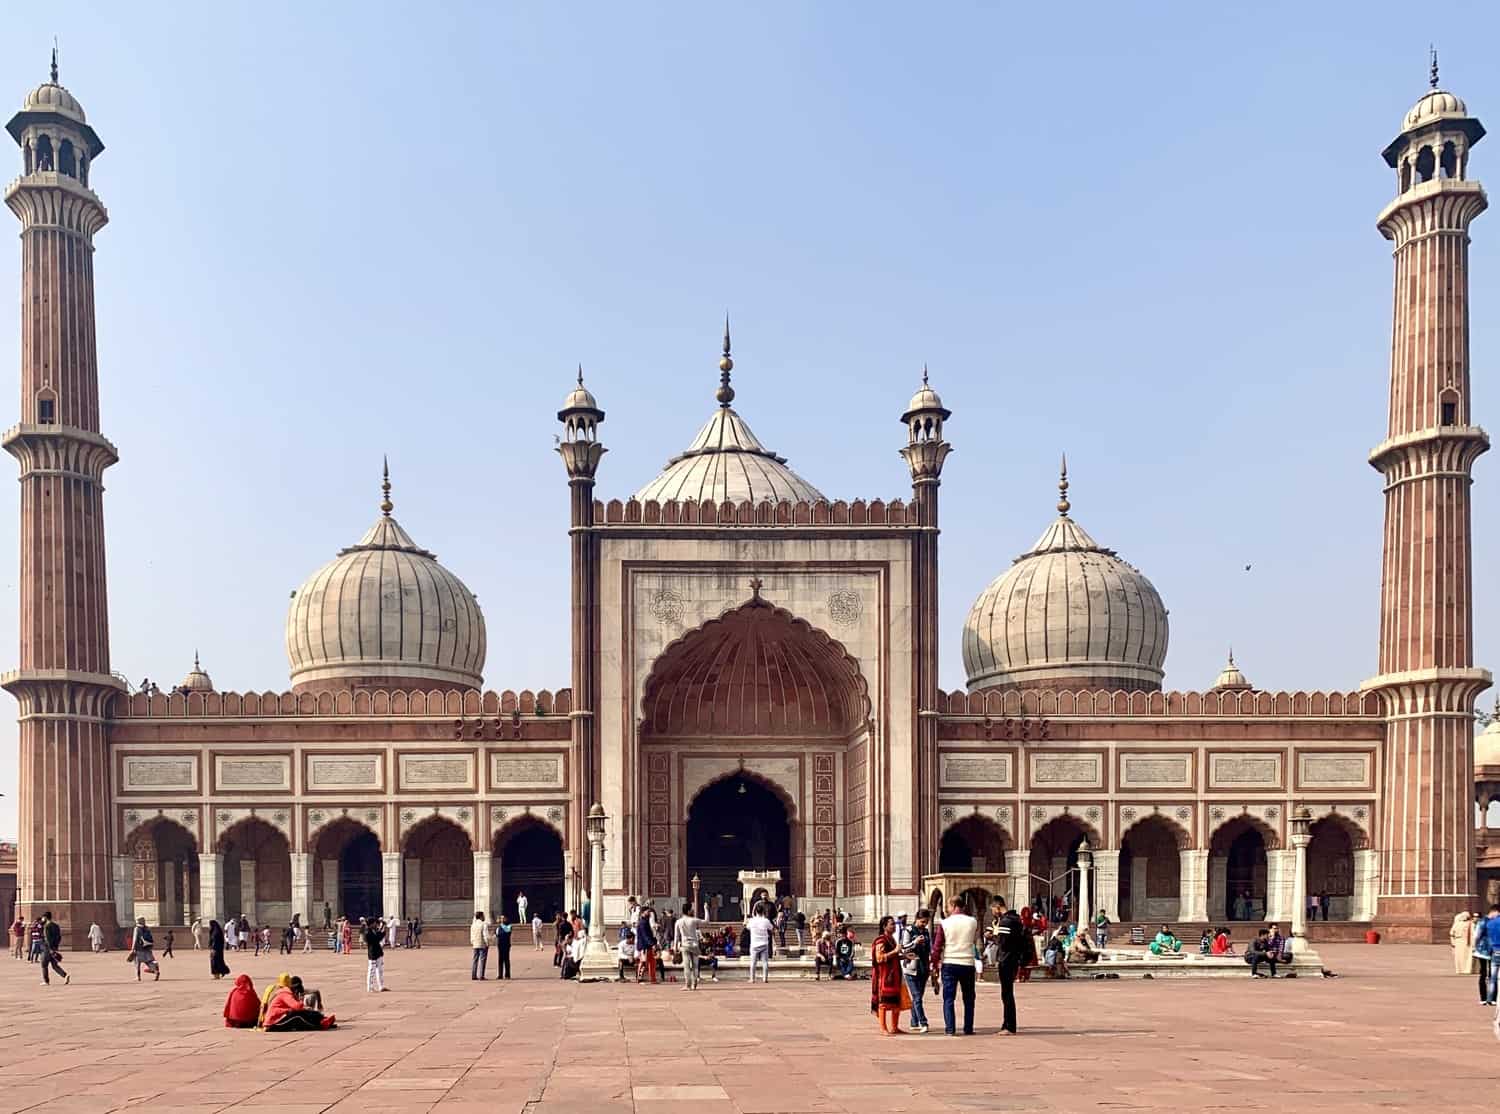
754,679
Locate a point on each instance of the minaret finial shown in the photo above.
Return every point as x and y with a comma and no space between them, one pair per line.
580,375
924,373
725,393
1231,655
196,667
386,506
54,59
1063,506
1432,72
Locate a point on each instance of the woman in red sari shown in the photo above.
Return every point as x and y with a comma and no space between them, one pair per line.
888,993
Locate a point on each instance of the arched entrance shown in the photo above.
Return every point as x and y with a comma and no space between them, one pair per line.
974,845
1330,866
439,863
737,823
164,872
1238,850
1151,871
346,868
257,872
531,862
1054,858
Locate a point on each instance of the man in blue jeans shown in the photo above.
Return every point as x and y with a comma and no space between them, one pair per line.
953,953
916,959
1490,926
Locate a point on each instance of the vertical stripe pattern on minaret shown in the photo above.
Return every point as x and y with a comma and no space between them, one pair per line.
63,684
1427,676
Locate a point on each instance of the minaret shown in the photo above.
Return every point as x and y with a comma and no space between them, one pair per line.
580,449
924,454
1427,677
64,684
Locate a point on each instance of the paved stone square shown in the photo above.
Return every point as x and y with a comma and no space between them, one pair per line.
1396,1031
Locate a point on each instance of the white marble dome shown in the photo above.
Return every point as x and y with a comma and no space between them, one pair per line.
52,97
1435,105
196,680
1067,614
1487,742
727,463
384,613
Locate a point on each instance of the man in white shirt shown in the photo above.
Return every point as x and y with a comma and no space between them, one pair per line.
953,950
685,939
536,931
521,906
760,942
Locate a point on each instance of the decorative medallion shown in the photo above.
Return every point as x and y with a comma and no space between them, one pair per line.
1091,813
1002,814
949,815
279,817
1127,814
1183,812
225,817
1272,812
463,814
132,817
1361,812
666,605
372,816
190,818
844,607
1216,813
555,815
407,816
316,816
498,815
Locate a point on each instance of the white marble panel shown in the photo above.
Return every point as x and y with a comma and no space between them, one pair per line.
261,772
150,772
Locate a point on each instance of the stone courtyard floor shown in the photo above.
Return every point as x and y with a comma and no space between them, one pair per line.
1396,1031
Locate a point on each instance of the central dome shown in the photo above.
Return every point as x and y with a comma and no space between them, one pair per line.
1068,614
384,614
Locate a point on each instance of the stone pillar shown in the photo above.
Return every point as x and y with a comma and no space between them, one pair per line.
167,911
390,882
1140,878
124,887
497,883
1083,913
247,892
1279,868
211,888
302,900
409,871
1299,881
1018,867
572,899
1218,887
598,958
1366,885
331,886
1107,882
1192,900
483,901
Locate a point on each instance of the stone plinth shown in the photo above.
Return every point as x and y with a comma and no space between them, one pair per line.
752,880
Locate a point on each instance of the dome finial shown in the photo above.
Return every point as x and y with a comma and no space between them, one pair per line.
924,373
580,375
386,506
196,667
725,393
54,59
1432,72
1063,506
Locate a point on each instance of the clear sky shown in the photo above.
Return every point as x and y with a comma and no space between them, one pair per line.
1143,237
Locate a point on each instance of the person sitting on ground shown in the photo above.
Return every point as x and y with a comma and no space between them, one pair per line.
282,980
1221,945
1165,943
1206,942
289,1013
1082,949
1260,952
823,956
1277,944
627,956
843,954
1055,954
242,1007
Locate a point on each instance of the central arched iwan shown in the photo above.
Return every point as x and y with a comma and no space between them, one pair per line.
757,670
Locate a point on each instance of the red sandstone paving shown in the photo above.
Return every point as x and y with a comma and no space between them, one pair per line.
1396,1030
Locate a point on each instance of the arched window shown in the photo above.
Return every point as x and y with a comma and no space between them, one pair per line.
26,155
83,169
65,161
1448,407
46,406
43,152
1448,164
1405,175
1425,164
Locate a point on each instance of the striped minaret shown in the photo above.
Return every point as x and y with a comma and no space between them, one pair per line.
64,682
1427,676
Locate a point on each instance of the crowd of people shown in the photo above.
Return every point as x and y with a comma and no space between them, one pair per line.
285,1007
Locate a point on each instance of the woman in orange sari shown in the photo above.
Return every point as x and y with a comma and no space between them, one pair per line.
888,993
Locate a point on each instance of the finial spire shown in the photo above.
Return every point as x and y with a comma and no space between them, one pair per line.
725,393
54,59
924,373
1432,71
1063,506
580,375
196,667
1231,656
386,506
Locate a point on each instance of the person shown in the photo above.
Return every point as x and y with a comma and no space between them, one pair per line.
823,956
166,951
18,936
1028,927
760,928
916,957
521,905
346,935
216,944
373,935
645,943
536,931
96,938
953,955
888,993
781,923
1080,950
1461,938
280,981
1491,928
231,934
1206,941
479,940
1221,944
416,930
625,951
1479,950
573,955
686,939
1260,952
307,941
286,1012
327,917
255,933
561,931
141,943
843,953
242,1007
393,928
502,947
1015,951
1313,898
1323,903
197,928
1278,945
1164,943
52,949
244,931
1055,953
799,926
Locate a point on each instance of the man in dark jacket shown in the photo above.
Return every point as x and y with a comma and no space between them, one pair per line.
1260,952
52,949
1014,942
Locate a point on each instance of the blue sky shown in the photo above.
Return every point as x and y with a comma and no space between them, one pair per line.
1143,236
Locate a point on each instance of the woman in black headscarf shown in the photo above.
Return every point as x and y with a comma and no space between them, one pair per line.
216,965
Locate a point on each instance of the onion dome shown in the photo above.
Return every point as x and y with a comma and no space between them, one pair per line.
924,400
46,103
1487,742
384,614
1067,614
1231,679
726,461
196,680
580,397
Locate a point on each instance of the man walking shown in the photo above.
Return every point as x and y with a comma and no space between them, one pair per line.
502,947
479,941
141,943
166,951
953,952
1014,942
96,938
686,940
760,927
536,931
52,948
198,929
1489,928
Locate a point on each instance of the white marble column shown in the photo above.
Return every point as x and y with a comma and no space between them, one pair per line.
247,892
1299,881
1279,869
1083,912
1018,868
1366,885
1192,902
302,901
211,888
571,897
1107,882
483,899
1218,887
124,889
390,883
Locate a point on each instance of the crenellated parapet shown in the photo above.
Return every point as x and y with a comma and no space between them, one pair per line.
1106,703
633,512
445,703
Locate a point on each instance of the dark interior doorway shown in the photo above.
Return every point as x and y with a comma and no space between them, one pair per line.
531,861
737,824
359,877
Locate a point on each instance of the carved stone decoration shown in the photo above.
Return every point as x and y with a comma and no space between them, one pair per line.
1088,815
1157,771
825,848
949,816
372,817
436,771
515,771
1084,771
1333,770
555,815
658,805
411,817
1228,771
141,772
498,815
1005,817
845,605
315,817
969,770
1092,814
359,772
1184,813
271,772
666,606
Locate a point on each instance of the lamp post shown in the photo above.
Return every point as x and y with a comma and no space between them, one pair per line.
1301,836
1085,864
697,908
598,959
